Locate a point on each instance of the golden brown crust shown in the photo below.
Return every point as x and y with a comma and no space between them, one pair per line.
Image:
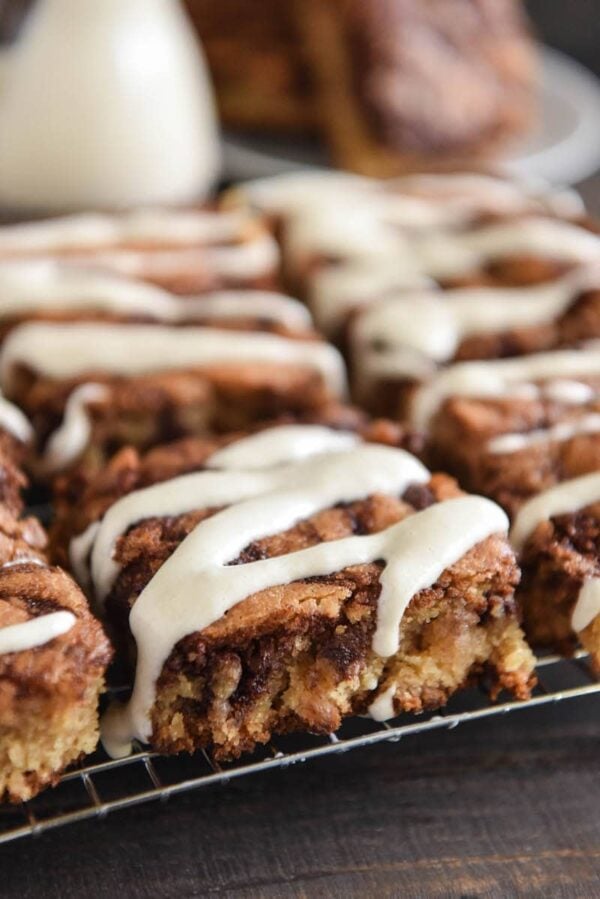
48,695
56,672
19,537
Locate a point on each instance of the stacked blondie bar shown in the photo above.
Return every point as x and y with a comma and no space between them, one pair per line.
287,511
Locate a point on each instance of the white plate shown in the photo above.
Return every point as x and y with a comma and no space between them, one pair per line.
565,148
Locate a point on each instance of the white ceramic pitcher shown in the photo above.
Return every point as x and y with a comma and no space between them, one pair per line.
105,103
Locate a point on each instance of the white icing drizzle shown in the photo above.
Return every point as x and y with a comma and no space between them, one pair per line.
344,231
69,440
374,258
251,258
382,708
74,349
35,632
146,227
264,304
45,285
502,377
434,322
14,421
286,193
412,222
79,551
587,606
570,393
414,261
195,587
447,254
477,192
569,496
325,479
343,215
559,433
265,449
334,291
413,200
275,446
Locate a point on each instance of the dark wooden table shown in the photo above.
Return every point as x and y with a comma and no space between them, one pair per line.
503,808
506,808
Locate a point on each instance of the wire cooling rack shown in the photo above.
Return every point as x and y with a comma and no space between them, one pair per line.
102,786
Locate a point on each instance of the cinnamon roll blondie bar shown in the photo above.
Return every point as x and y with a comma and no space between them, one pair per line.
53,653
557,535
404,85
349,242
387,84
98,363
53,656
303,575
511,428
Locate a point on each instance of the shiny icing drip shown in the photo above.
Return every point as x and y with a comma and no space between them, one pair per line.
334,477
69,440
14,422
382,708
251,258
146,227
569,496
196,586
413,200
265,449
502,378
74,349
35,632
392,235
38,286
393,261
429,325
559,433
334,291
564,498
275,446
448,254
358,233
587,607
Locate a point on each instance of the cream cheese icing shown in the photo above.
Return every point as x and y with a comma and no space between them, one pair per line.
74,349
35,632
502,377
47,285
433,323
14,421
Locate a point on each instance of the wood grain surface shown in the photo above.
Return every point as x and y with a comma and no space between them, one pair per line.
502,808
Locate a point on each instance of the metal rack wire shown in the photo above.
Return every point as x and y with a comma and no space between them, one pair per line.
102,786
